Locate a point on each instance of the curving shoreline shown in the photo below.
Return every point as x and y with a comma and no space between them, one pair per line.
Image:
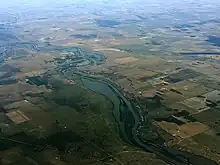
128,129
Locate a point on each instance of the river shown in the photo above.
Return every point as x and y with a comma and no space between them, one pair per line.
128,121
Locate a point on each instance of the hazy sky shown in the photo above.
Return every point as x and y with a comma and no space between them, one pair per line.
24,4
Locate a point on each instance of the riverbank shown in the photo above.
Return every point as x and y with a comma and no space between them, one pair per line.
129,129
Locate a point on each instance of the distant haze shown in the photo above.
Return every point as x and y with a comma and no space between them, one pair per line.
19,5
36,3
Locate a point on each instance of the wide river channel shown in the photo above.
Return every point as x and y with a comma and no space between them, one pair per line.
128,120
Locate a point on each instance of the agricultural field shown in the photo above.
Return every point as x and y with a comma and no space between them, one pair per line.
128,82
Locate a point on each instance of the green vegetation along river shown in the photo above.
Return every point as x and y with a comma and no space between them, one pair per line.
128,120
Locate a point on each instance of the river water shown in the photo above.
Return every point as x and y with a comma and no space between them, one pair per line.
127,118
120,108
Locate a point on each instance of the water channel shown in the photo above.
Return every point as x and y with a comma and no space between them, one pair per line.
128,120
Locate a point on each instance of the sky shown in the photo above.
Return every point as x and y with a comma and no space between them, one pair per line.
24,4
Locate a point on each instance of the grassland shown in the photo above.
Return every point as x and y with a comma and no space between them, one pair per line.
166,62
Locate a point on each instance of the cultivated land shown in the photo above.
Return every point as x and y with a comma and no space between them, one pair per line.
164,59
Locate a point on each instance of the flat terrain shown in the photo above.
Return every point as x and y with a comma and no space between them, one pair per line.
163,56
